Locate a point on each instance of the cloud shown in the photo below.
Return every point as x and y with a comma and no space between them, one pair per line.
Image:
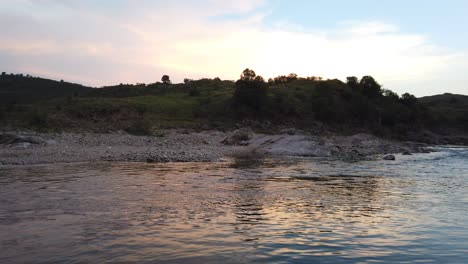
104,42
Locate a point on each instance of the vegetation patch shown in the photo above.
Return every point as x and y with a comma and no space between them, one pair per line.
309,103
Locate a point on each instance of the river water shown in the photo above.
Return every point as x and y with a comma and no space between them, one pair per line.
414,209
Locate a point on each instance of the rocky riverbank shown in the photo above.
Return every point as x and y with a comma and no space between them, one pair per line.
299,143
27,148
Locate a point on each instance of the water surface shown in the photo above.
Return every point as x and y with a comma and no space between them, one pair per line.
301,211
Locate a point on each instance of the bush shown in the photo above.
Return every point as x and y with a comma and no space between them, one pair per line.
140,128
37,119
2,113
194,91
250,98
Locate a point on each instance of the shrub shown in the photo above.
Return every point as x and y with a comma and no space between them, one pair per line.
140,128
37,119
250,95
194,91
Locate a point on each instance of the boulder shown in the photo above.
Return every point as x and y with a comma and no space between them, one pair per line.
407,153
238,137
389,157
10,139
296,145
424,150
288,131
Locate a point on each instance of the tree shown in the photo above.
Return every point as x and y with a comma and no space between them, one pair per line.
292,77
352,83
259,79
390,94
165,79
281,79
248,75
408,99
370,87
250,95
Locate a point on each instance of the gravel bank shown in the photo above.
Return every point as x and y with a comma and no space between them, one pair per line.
27,148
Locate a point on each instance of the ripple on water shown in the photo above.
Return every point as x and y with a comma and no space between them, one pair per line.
299,210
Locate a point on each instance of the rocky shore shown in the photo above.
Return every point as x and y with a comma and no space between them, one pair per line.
28,148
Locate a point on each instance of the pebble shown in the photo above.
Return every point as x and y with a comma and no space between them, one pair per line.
73,147
176,147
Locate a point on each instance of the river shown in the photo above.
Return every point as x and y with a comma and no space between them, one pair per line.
414,209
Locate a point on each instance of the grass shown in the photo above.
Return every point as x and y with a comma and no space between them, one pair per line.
137,115
141,109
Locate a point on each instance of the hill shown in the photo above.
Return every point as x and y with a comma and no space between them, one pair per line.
446,100
447,111
22,89
311,103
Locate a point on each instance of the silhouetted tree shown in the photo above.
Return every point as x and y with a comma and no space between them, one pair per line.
248,75
165,79
390,95
292,77
250,95
259,79
408,99
281,79
369,87
352,83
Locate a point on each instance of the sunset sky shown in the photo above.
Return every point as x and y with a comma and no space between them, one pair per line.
419,47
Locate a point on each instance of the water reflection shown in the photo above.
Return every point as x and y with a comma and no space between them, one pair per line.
274,211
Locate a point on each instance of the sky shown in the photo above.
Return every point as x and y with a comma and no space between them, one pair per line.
418,46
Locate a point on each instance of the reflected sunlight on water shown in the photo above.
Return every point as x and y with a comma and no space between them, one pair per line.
298,210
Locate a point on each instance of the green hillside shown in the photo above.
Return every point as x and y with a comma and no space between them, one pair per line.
359,105
26,89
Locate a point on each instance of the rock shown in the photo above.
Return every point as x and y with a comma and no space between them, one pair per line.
297,145
289,131
23,145
407,153
205,127
238,136
424,150
10,139
389,157
51,142
244,143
